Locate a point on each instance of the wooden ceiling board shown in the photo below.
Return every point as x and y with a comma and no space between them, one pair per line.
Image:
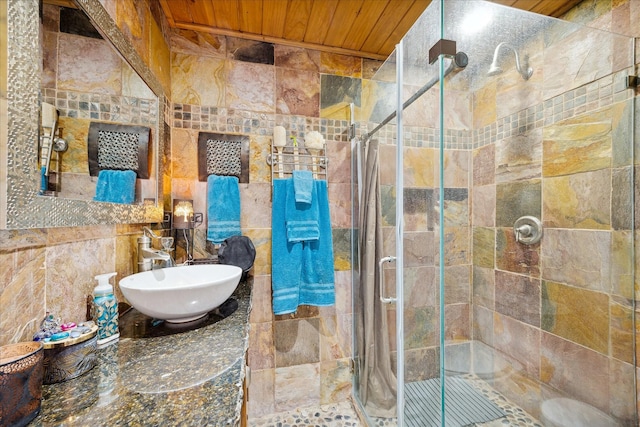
367,28
298,15
202,13
386,25
274,15
180,10
226,14
323,13
250,16
366,23
346,14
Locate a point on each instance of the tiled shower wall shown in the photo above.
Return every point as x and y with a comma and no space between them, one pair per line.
562,309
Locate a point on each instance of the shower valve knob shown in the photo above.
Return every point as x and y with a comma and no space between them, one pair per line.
528,230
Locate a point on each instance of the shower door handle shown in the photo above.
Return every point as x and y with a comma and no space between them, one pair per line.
386,300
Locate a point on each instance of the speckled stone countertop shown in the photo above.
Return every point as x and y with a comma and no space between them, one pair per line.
189,379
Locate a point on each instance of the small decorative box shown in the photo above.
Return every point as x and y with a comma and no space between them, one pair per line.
70,358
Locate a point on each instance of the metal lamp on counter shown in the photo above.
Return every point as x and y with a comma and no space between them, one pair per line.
184,222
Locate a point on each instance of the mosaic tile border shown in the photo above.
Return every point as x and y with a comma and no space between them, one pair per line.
221,119
584,99
112,108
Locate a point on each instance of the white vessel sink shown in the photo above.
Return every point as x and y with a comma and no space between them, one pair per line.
181,294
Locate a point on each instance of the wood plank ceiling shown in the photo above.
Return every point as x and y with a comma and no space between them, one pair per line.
366,28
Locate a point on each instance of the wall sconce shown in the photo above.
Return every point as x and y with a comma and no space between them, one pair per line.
183,215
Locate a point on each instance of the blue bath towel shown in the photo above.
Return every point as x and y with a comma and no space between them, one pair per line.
223,208
116,186
301,272
303,186
301,219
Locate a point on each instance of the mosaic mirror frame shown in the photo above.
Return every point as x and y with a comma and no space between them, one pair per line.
23,207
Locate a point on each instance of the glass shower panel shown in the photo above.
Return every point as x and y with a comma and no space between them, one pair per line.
539,125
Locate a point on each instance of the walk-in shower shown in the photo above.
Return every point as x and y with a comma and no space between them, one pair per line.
494,270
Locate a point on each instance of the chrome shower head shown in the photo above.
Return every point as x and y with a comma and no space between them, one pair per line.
495,69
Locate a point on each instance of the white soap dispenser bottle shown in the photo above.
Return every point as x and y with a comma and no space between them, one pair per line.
105,310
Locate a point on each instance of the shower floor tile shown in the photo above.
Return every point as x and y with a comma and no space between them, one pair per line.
344,414
335,415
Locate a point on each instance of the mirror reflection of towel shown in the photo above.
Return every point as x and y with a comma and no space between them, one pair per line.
116,186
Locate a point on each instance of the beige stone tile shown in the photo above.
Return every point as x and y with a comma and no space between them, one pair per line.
484,105
518,296
419,167
577,257
297,386
483,207
581,200
250,86
261,347
187,84
99,72
335,337
519,341
71,269
585,375
457,322
484,287
297,342
256,202
261,393
261,309
340,205
335,381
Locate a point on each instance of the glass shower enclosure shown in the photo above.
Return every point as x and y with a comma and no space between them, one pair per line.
493,224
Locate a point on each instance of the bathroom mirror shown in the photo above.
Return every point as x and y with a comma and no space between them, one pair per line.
102,113
25,206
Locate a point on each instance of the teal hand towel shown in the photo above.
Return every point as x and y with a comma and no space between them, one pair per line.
301,218
116,186
303,186
223,208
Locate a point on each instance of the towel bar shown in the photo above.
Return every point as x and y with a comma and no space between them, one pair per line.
284,163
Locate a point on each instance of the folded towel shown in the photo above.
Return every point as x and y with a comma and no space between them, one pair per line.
301,219
116,186
301,272
317,287
285,256
223,208
303,186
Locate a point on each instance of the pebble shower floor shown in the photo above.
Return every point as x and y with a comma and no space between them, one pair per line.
344,414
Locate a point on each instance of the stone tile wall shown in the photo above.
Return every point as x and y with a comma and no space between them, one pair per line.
555,308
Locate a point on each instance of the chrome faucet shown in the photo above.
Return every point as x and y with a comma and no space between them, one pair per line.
148,255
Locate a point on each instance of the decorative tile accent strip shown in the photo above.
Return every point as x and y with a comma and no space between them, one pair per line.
587,98
219,119
110,108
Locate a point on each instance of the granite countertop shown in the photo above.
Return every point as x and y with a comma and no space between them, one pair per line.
189,378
